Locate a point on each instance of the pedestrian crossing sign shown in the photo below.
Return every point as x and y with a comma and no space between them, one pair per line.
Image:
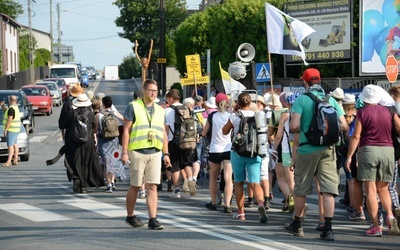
263,72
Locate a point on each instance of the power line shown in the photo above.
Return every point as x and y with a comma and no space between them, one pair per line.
89,39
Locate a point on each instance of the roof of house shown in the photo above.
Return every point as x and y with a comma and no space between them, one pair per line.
9,19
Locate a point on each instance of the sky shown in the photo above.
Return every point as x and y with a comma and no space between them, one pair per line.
88,26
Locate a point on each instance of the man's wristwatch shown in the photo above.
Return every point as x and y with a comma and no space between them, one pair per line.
167,154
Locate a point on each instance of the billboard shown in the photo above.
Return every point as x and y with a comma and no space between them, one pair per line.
332,22
379,34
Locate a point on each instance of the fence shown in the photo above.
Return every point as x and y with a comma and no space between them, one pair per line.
19,79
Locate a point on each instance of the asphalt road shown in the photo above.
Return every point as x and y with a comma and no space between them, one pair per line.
38,209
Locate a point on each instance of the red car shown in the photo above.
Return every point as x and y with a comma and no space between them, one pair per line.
62,85
40,97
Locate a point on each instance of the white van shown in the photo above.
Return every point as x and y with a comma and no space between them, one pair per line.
68,72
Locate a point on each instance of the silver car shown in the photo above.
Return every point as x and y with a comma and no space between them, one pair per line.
22,142
54,90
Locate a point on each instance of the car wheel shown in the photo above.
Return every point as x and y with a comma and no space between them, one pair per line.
24,157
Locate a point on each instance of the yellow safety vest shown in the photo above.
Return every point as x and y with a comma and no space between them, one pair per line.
16,122
146,127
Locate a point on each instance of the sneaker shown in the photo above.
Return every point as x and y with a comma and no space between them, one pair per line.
296,231
192,188
320,226
134,221
327,235
267,204
263,214
285,209
227,210
113,185
392,225
185,186
397,214
291,203
141,194
357,216
350,209
154,224
212,207
83,191
248,203
176,194
76,186
239,216
109,189
374,232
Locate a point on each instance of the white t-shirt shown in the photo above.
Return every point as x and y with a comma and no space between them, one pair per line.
170,120
219,142
236,119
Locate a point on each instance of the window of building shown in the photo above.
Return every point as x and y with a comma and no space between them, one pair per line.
11,61
7,59
15,62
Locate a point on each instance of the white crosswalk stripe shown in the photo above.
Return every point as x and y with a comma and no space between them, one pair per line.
32,213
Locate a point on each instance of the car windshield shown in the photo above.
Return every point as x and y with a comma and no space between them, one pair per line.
50,86
4,96
35,91
62,73
60,82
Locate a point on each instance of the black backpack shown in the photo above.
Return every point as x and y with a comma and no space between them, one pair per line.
185,134
109,126
245,141
324,129
79,127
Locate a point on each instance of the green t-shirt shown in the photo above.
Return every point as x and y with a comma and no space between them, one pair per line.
304,106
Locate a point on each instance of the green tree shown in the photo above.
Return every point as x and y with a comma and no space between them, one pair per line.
140,20
130,67
42,56
24,52
11,8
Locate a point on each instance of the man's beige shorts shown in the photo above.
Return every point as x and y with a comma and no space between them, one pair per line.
144,165
322,165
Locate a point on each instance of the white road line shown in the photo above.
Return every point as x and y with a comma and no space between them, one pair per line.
249,240
96,207
38,138
32,213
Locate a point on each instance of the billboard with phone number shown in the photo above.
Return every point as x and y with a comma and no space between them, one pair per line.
380,34
332,21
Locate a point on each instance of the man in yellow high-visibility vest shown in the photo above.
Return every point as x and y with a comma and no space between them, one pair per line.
12,127
144,141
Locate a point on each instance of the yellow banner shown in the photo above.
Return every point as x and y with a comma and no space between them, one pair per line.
190,81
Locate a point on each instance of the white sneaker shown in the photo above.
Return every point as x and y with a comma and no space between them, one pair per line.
192,188
185,186
176,194
142,195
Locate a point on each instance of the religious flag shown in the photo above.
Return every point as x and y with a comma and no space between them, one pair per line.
230,84
285,33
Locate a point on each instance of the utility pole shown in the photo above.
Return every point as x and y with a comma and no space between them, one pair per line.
31,66
162,47
59,34
51,33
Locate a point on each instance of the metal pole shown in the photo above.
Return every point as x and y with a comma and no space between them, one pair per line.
209,72
59,34
51,33
31,66
162,47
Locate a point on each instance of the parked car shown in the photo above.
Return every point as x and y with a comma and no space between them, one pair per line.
54,90
25,108
22,142
40,97
62,84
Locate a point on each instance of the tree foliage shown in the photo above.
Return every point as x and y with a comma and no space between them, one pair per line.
130,67
11,8
140,20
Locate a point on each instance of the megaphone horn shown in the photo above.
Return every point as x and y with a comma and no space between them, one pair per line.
246,52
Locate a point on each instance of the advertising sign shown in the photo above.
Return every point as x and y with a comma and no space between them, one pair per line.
193,65
379,35
332,22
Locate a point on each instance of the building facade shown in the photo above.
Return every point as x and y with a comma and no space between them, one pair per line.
9,40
